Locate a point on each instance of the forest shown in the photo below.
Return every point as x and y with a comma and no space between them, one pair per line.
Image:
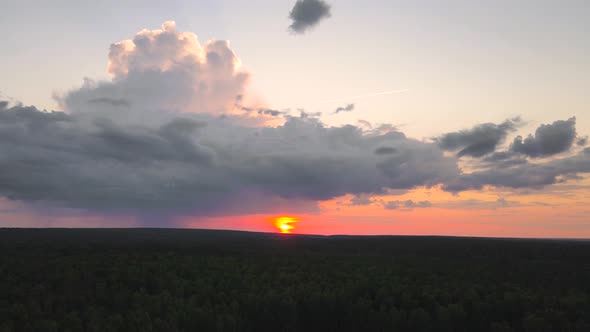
205,280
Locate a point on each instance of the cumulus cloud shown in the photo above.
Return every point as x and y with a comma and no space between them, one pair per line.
308,13
582,141
549,139
346,108
478,141
166,70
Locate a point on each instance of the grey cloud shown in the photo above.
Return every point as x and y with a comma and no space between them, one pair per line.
303,114
527,175
408,204
270,112
499,156
478,141
501,202
109,101
198,164
361,199
549,139
382,150
421,204
307,14
583,141
503,159
346,108
261,111
391,205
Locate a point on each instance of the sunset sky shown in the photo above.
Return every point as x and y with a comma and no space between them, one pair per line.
464,118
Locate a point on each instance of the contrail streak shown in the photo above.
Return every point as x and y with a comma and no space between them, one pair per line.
364,96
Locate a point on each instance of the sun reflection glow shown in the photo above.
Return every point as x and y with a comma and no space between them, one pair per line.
284,224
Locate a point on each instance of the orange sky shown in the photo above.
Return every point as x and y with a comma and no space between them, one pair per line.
560,212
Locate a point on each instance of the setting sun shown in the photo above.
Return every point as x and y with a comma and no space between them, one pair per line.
284,224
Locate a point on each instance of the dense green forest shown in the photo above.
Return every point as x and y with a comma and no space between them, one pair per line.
195,280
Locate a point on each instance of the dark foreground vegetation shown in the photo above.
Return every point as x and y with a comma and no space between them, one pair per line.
193,280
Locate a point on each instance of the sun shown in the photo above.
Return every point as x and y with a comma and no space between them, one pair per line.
284,224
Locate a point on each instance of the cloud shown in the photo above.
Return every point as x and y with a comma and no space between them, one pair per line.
258,110
582,141
408,204
478,141
529,175
198,164
503,159
308,13
503,202
170,135
346,108
549,139
165,70
365,123
475,204
361,199
109,101
383,150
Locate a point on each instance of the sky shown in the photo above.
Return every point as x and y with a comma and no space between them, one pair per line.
380,117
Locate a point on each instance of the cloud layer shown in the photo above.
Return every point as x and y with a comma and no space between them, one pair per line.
308,13
199,164
171,134
526,175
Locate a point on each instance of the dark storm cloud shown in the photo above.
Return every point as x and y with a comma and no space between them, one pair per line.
478,141
307,14
346,108
549,139
199,164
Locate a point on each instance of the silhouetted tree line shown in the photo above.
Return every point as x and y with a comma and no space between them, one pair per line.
182,280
